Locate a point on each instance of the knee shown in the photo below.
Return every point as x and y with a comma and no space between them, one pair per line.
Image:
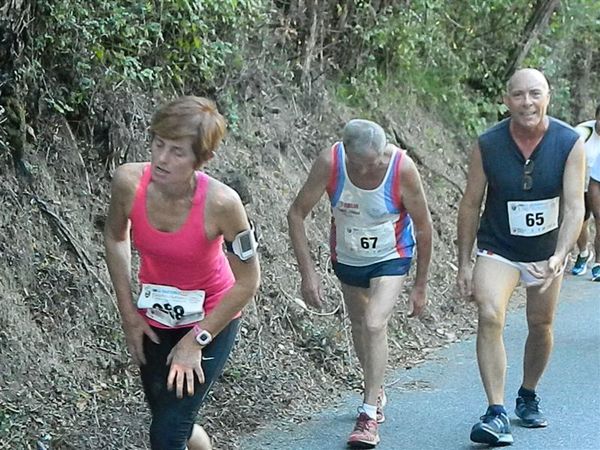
490,318
540,324
375,325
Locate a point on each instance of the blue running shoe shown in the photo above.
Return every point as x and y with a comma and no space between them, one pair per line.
492,429
528,410
580,267
596,273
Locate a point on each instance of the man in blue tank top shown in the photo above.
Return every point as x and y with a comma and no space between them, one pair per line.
530,168
379,212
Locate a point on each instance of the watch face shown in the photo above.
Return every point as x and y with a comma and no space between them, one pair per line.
246,242
204,338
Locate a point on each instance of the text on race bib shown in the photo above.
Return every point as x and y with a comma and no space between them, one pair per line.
171,306
372,241
533,218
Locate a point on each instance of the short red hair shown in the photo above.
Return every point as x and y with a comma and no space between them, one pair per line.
195,117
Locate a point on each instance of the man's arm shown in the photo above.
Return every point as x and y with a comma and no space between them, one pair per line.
468,219
305,201
413,199
573,204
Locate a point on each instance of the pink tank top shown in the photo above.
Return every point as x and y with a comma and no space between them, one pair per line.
185,258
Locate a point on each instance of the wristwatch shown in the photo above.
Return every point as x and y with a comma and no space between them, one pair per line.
203,337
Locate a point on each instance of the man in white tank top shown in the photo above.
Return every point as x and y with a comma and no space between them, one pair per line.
590,132
594,192
379,214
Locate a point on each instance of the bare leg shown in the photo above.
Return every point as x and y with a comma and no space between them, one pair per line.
369,312
493,285
594,193
540,317
597,240
356,300
582,240
199,439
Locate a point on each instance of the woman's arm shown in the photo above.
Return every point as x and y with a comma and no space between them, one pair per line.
230,219
118,257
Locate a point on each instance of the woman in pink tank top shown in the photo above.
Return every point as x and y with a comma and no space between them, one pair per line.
183,324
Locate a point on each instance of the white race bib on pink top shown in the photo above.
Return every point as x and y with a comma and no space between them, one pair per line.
170,306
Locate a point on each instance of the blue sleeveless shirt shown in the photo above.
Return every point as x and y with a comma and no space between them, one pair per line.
503,164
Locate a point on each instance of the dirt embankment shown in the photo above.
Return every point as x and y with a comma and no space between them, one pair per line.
66,378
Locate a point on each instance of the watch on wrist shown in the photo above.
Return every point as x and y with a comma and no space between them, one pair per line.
203,337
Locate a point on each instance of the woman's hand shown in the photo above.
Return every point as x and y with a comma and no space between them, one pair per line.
185,360
135,327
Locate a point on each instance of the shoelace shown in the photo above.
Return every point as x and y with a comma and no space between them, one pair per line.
362,424
532,403
495,419
486,418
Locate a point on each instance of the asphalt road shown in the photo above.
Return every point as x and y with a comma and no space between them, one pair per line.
434,405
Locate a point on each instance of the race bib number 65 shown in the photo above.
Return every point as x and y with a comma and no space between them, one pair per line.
171,306
533,218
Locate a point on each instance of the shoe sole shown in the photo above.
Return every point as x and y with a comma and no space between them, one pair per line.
483,436
362,444
525,424
383,403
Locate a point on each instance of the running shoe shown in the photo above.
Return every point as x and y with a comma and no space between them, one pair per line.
528,410
580,267
381,402
492,429
596,273
365,434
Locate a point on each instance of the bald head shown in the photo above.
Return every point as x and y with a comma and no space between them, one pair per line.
363,136
527,77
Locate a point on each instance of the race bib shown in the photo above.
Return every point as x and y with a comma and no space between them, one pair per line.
372,241
171,306
533,218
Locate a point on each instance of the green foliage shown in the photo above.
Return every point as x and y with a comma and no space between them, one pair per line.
155,43
574,35
453,54
449,53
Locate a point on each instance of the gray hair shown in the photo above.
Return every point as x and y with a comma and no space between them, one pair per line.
360,136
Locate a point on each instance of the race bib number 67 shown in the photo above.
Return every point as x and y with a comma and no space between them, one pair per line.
372,241
533,218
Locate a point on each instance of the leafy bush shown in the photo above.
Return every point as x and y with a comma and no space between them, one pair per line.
169,43
454,55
